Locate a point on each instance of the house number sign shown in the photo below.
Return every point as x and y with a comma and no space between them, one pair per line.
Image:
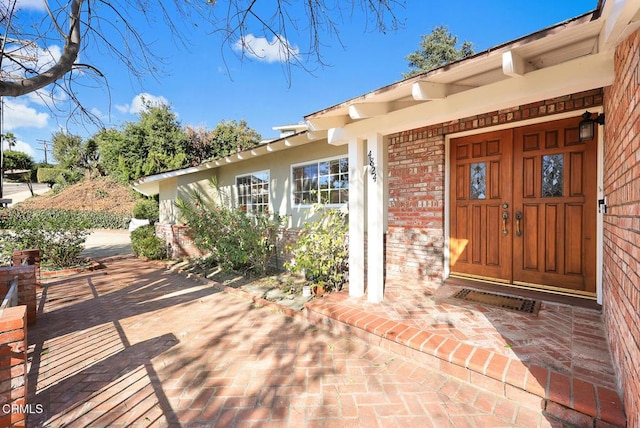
372,164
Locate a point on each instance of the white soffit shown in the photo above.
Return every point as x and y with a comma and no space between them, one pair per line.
562,43
573,76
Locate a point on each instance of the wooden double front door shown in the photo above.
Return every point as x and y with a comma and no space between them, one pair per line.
523,207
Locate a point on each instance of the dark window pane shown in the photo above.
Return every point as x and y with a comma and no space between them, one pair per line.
552,176
478,187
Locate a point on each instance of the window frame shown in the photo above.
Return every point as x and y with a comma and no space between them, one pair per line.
249,206
316,162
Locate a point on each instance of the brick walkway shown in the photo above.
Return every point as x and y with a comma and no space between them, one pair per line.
558,359
136,345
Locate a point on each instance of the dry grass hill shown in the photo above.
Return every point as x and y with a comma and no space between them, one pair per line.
98,194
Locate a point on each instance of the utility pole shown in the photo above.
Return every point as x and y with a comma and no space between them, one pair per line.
45,147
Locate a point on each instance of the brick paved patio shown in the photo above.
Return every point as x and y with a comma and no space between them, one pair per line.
558,359
137,345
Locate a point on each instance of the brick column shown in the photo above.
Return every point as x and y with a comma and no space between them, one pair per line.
26,287
28,257
13,366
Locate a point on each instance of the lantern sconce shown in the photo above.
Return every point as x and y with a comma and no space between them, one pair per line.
586,126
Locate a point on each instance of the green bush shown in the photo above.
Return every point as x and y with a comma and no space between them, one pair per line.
60,237
145,243
91,219
65,178
146,209
321,251
47,175
237,240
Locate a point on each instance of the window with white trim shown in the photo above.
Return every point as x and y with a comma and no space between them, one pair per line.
325,182
253,192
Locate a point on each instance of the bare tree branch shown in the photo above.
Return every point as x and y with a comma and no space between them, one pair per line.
106,27
59,69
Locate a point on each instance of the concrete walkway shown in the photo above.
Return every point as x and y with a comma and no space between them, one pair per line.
103,243
137,345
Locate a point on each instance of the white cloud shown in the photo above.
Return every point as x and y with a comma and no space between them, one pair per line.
18,115
48,56
138,103
98,113
277,50
21,146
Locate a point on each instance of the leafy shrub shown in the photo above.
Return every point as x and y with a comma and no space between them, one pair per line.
91,219
146,209
145,243
321,251
47,175
60,237
103,220
57,188
66,177
237,240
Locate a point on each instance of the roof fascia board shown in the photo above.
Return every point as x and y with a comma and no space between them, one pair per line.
463,66
321,123
593,71
261,150
621,18
147,189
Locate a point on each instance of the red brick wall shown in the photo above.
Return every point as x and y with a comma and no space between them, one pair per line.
26,287
13,366
415,238
179,243
621,282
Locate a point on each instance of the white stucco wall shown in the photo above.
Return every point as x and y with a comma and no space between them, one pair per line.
280,191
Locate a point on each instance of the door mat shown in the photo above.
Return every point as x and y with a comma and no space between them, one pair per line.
517,304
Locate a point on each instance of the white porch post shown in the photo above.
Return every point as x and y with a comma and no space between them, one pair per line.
356,217
375,218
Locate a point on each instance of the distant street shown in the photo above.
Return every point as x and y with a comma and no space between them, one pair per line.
13,188
18,192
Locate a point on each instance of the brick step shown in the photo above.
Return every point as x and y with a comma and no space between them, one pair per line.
568,400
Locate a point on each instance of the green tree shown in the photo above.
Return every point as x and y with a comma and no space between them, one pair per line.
436,49
67,149
228,137
154,144
112,146
17,161
10,139
74,154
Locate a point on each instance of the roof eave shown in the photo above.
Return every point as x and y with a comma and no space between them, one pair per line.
466,67
150,185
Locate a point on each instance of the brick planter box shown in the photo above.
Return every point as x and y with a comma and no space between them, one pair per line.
13,366
26,287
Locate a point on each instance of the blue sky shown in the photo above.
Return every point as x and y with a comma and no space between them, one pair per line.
203,88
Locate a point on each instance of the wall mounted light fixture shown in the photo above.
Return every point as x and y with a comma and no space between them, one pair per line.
587,125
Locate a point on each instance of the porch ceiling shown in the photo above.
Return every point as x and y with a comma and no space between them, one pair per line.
553,46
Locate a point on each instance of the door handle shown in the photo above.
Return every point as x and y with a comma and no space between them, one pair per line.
505,217
518,218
